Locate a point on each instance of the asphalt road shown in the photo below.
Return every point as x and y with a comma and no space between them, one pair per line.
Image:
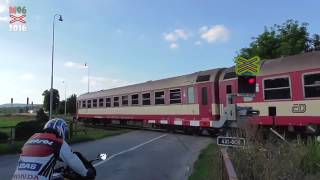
136,155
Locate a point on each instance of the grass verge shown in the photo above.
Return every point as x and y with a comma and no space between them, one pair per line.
207,167
296,161
13,120
92,134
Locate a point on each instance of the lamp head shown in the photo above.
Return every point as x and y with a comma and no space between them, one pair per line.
60,18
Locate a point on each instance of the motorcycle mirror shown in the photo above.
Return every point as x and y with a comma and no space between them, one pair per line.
102,156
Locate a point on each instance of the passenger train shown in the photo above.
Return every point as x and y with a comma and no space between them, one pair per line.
287,95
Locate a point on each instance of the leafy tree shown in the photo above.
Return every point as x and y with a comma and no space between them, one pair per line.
61,107
42,116
46,101
316,42
72,104
281,40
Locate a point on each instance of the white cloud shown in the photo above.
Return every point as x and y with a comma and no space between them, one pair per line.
197,43
174,46
217,33
71,64
99,83
203,29
176,35
27,76
170,37
182,34
4,5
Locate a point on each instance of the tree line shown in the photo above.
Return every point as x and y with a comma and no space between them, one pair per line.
287,39
57,105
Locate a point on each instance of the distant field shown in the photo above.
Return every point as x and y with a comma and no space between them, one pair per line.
6,121
13,120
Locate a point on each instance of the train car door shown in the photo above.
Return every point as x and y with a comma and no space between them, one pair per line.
229,89
205,100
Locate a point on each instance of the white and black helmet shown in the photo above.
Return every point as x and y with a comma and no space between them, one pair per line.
59,125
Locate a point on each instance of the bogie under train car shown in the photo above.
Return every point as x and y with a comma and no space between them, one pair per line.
287,95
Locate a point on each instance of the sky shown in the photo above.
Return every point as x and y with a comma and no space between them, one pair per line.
126,42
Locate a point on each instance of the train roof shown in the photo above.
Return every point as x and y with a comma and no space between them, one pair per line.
299,62
172,82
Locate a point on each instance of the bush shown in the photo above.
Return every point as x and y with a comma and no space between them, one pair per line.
3,136
272,158
42,116
27,128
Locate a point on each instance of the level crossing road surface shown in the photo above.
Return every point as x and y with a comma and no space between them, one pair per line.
137,155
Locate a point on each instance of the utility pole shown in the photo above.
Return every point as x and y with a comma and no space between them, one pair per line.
86,65
52,55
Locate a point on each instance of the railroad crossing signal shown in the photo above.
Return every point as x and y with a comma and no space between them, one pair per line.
248,67
246,84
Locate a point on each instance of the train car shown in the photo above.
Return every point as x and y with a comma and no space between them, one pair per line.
189,102
287,92
287,95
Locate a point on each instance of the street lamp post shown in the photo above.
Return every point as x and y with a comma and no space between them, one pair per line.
86,65
65,99
52,55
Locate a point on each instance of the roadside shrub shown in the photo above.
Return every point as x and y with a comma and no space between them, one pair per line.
272,158
311,160
26,129
3,136
42,116
87,121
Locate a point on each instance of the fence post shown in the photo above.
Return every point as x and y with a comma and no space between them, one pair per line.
13,134
229,169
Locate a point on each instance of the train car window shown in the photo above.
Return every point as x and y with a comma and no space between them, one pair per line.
94,103
311,85
135,99
204,96
146,99
229,75
101,102
125,101
175,96
84,104
228,89
277,88
203,78
115,101
108,102
190,95
159,97
89,103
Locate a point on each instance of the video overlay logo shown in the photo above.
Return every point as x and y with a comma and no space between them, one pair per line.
18,21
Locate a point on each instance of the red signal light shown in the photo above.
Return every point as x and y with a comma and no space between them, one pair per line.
251,81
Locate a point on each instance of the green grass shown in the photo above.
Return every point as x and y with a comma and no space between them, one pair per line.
92,134
13,120
7,148
207,167
278,160
6,121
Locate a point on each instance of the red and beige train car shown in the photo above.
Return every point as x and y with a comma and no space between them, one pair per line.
186,101
287,92
287,95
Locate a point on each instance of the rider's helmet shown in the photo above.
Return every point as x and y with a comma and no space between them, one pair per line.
58,125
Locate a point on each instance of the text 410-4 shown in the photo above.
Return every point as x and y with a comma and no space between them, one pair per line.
18,27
